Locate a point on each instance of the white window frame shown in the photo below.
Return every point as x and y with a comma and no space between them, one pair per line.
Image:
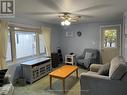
12,30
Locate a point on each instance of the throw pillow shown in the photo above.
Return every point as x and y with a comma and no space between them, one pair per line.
104,70
2,74
88,55
118,68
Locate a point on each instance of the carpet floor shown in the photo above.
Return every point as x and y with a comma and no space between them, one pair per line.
41,87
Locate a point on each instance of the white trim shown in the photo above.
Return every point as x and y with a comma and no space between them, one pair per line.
123,38
102,26
110,25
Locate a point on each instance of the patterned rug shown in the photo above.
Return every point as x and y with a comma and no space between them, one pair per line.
41,87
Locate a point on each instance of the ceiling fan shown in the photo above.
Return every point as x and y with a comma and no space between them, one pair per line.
66,18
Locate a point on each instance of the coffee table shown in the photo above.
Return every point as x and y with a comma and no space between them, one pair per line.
62,73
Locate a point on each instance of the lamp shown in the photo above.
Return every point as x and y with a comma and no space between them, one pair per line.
65,23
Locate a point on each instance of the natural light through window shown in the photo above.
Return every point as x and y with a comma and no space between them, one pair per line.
25,44
110,38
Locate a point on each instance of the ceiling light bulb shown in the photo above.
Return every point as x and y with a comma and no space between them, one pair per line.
66,22
62,23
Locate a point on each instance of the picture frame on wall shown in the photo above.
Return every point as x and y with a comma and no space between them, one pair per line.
69,34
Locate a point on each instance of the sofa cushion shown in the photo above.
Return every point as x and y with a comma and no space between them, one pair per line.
104,70
2,74
118,68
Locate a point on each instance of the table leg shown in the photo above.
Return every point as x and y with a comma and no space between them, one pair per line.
77,73
63,85
50,82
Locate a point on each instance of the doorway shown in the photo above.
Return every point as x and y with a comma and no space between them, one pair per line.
110,42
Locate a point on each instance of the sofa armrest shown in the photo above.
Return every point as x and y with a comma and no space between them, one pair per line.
80,57
94,75
7,79
95,67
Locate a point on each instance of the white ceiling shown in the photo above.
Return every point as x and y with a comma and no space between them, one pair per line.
99,10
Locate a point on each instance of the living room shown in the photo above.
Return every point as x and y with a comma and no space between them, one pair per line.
41,47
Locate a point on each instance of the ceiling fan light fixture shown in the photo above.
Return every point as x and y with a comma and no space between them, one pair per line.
67,18
62,23
65,23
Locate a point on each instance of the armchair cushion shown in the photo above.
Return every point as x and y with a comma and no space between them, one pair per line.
104,70
88,55
118,68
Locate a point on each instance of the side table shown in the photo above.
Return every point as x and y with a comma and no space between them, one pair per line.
70,59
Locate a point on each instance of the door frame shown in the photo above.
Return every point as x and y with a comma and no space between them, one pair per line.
120,47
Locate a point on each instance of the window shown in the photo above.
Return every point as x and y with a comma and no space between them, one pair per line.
9,53
110,38
25,44
41,44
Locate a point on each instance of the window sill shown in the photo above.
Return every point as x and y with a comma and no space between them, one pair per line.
20,60
29,58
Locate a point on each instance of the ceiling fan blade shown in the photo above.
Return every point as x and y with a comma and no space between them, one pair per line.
50,4
43,13
94,7
74,20
82,15
87,16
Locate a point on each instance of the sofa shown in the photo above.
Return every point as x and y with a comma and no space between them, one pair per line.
7,88
115,83
88,57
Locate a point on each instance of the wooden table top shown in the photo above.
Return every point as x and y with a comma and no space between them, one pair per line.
63,71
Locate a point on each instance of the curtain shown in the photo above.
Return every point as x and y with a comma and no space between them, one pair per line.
47,38
3,43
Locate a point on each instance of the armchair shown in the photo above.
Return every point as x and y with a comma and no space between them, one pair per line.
88,57
93,83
